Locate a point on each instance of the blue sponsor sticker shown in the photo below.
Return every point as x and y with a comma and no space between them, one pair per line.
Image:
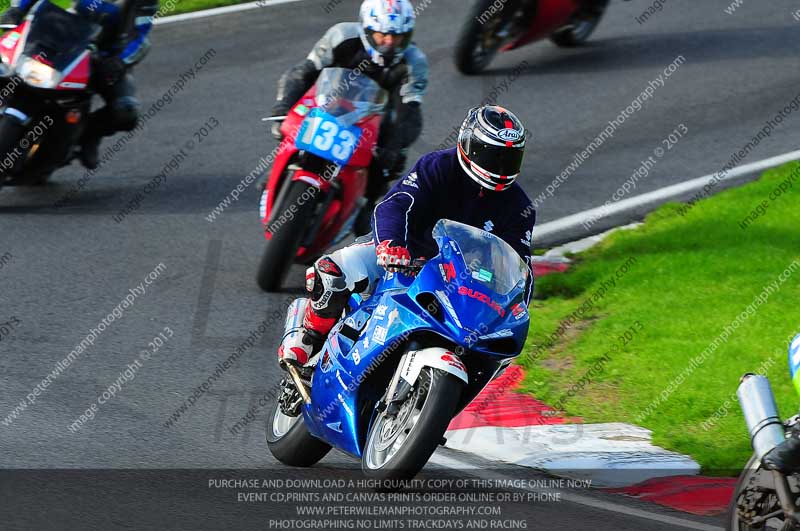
794,355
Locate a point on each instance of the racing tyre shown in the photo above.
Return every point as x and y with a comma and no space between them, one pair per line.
478,41
282,247
755,494
290,442
10,133
397,448
581,27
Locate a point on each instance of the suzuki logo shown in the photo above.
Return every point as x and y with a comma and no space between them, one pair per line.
484,298
488,226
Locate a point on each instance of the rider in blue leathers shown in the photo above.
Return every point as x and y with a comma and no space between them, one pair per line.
473,183
122,43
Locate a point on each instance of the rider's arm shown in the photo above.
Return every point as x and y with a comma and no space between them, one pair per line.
407,129
409,197
412,92
139,44
298,79
416,84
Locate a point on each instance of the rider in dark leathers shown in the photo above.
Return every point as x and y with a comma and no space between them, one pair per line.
473,183
380,47
122,43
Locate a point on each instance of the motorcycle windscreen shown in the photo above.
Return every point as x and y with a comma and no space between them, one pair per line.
57,37
485,278
349,95
491,263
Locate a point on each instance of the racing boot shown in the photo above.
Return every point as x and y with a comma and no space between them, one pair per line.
785,457
89,153
96,128
304,335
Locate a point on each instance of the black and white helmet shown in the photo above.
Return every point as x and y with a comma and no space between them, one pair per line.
491,144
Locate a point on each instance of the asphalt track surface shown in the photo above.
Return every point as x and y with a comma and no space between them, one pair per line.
64,269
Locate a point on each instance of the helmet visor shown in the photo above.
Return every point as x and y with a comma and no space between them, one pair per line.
499,160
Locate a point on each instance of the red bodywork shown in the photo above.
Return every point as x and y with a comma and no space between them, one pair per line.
75,76
352,178
550,16
10,43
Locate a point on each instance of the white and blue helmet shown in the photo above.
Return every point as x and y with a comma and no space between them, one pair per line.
393,17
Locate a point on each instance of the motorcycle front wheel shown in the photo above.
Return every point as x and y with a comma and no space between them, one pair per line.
481,37
11,132
397,448
289,227
290,442
753,499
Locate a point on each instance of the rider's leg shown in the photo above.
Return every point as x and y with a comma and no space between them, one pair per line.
331,281
120,113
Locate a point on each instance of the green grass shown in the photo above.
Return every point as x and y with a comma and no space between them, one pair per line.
175,7
690,278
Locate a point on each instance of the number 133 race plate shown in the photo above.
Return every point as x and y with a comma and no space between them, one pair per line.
322,135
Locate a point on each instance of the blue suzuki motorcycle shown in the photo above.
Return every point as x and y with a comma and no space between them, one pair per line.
402,363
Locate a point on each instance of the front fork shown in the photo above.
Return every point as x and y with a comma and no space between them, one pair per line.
787,501
32,121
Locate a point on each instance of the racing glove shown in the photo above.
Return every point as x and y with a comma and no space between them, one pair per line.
392,257
279,109
387,78
390,161
275,129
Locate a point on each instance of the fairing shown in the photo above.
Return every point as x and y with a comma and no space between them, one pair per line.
50,49
355,100
550,16
396,314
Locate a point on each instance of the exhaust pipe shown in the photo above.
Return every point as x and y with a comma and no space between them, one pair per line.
760,413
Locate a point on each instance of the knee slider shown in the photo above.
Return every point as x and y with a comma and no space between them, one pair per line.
329,291
125,113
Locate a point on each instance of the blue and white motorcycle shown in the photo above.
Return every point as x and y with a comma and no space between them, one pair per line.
402,363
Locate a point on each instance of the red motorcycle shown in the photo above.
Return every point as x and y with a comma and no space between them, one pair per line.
44,84
501,25
317,182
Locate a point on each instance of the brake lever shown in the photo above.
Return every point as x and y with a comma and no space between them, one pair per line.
413,268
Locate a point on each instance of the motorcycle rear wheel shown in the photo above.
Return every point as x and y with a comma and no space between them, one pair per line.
580,28
398,448
478,41
281,248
